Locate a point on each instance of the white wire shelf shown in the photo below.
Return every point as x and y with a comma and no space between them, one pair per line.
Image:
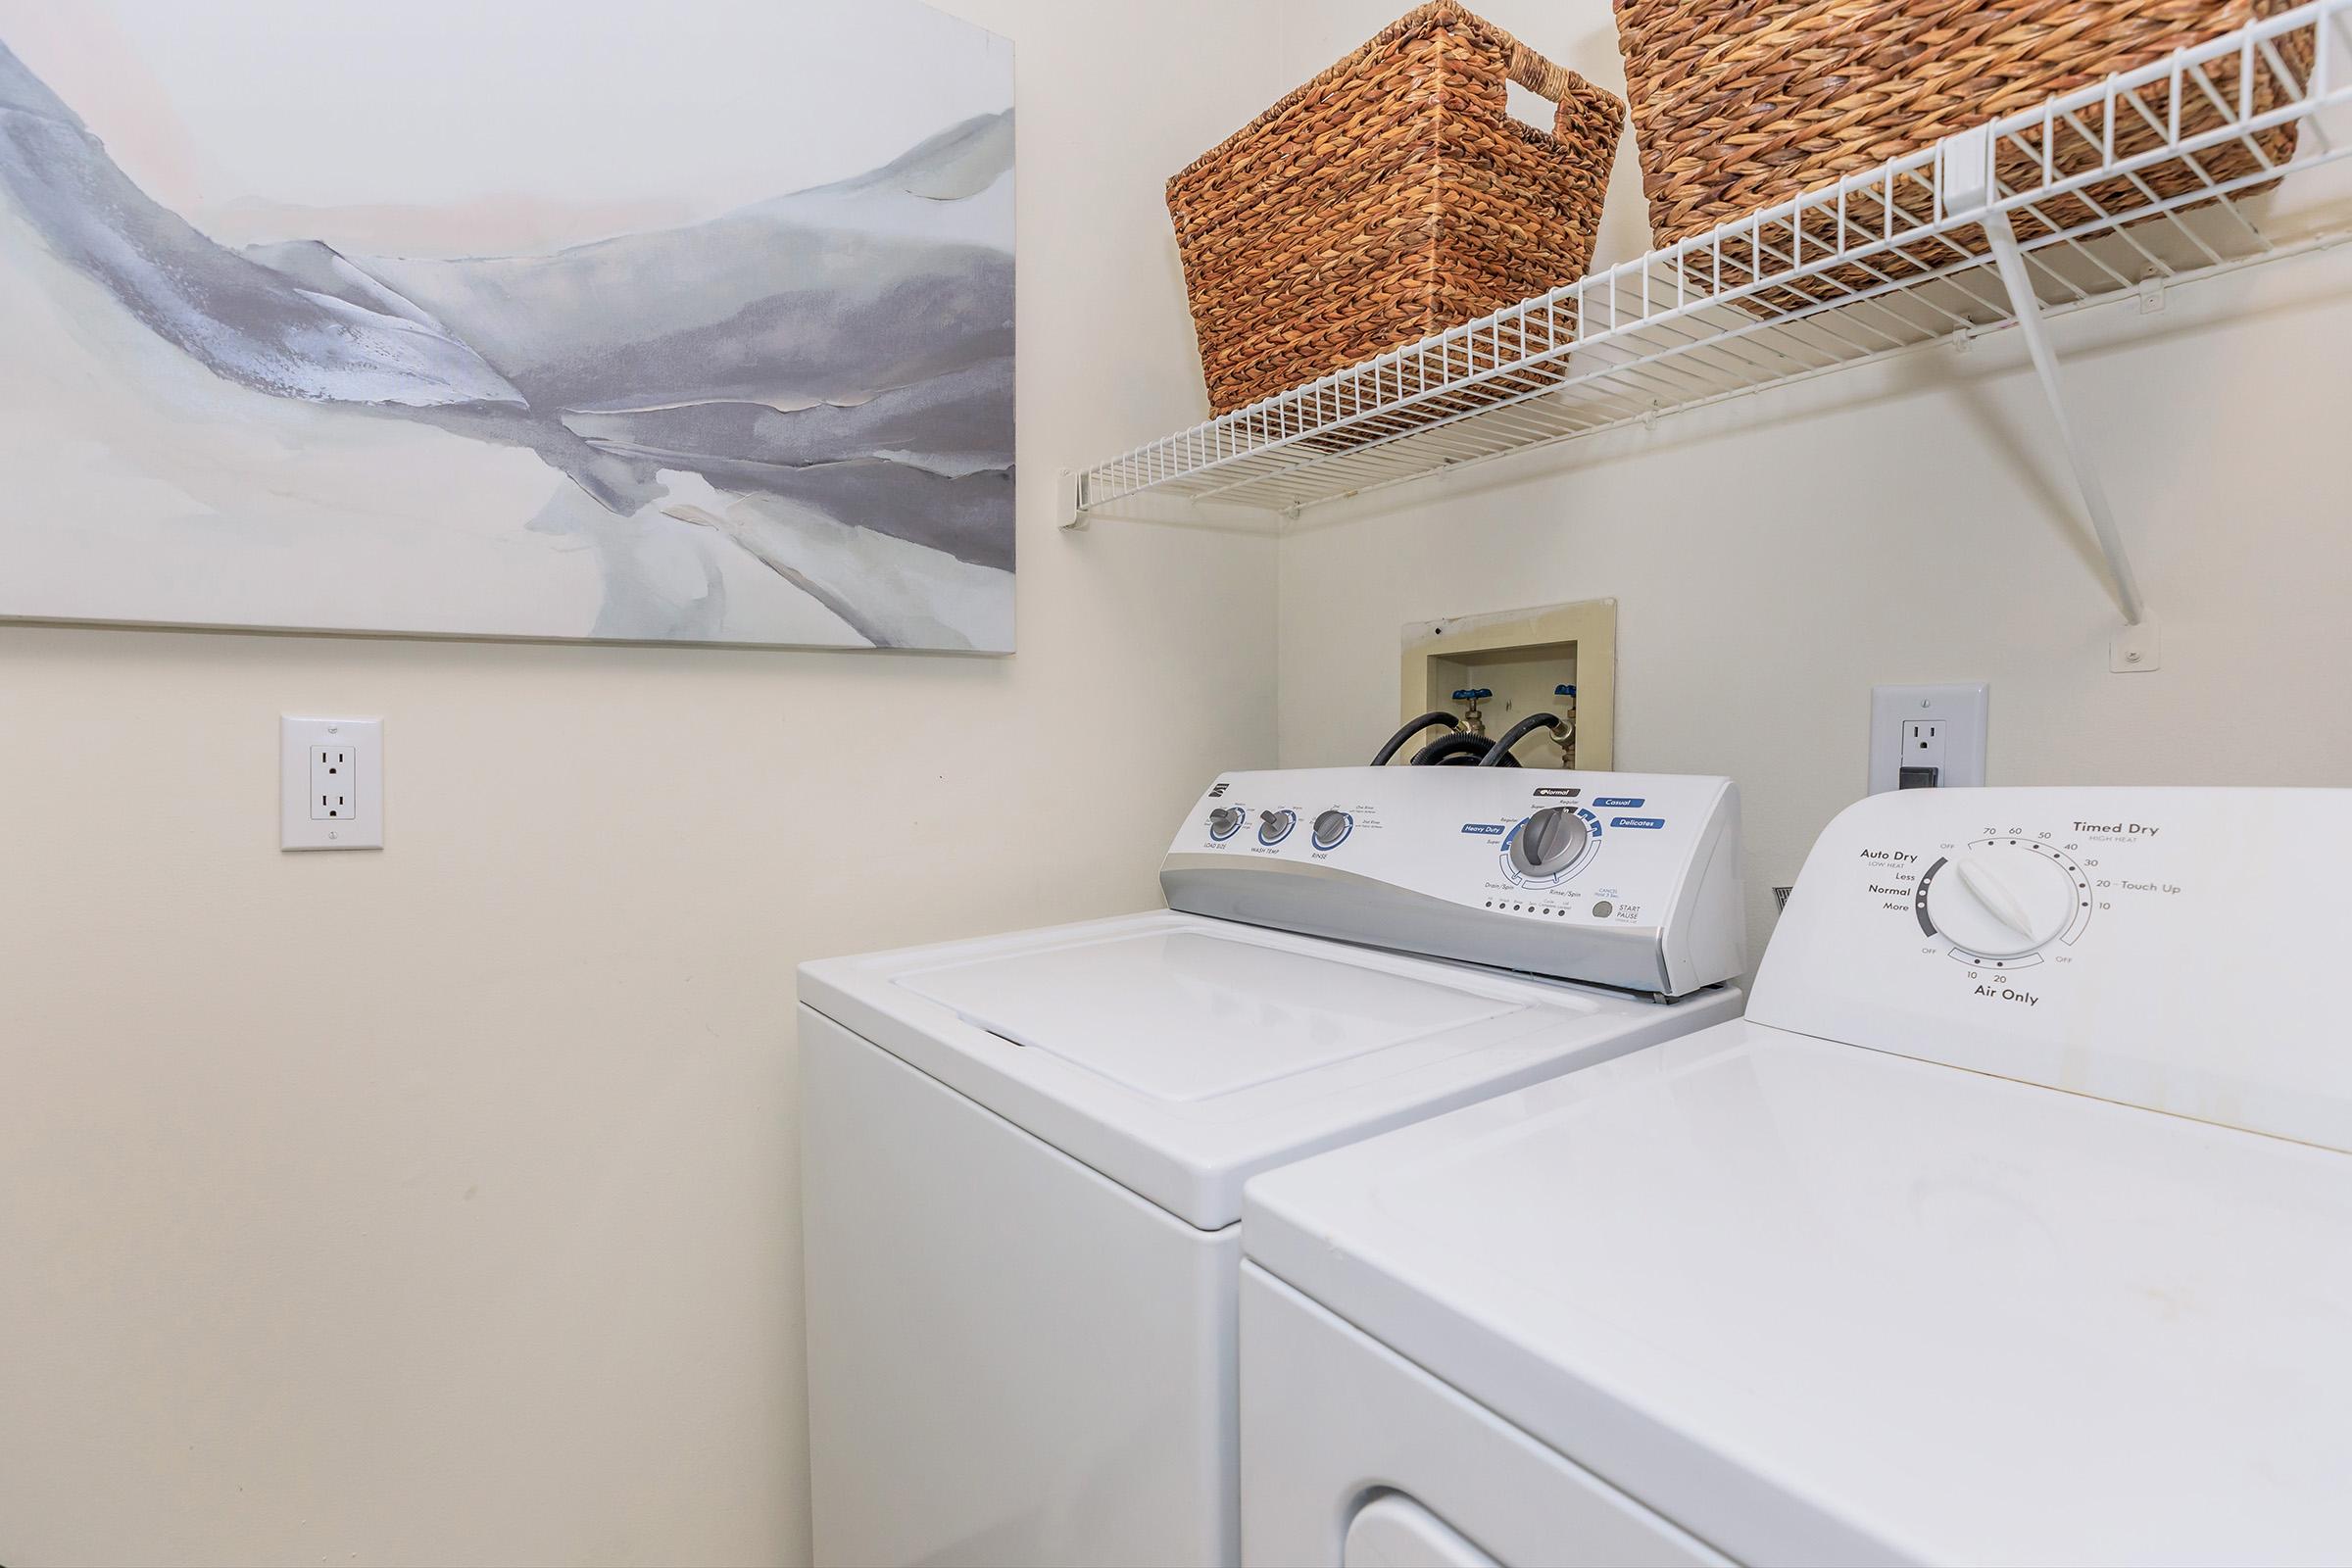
2151,177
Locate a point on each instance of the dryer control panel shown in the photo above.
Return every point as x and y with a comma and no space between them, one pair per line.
2174,949
1621,879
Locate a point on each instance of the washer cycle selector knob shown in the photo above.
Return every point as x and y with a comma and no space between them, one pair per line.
1549,842
1275,826
2002,900
1225,821
1331,827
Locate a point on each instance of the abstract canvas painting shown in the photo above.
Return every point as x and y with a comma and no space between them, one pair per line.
556,319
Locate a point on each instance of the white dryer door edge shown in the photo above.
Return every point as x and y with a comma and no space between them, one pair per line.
1331,1418
1392,1531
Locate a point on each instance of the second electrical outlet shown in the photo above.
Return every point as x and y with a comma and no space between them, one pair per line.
1928,737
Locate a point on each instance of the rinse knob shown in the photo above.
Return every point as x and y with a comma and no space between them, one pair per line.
1224,822
1331,827
1275,826
1549,842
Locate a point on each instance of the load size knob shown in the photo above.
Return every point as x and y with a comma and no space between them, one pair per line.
1549,842
1275,826
1225,821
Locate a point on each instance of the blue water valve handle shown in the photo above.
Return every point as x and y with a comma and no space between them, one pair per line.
1471,694
1564,690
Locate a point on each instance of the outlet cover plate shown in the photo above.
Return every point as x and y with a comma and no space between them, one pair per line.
1961,711
344,756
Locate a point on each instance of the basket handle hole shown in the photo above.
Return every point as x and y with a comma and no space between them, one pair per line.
1530,107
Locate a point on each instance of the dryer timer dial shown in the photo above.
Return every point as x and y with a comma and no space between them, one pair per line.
2002,899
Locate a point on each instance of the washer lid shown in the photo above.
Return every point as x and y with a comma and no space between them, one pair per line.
1187,1014
1179,1056
1816,1302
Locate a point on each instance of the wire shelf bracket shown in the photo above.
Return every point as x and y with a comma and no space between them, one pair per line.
1966,176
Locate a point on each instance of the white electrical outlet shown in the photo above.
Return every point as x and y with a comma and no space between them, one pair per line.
1923,743
1928,736
331,783
334,784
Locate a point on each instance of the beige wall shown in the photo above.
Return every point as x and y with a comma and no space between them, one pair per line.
439,1205
1773,557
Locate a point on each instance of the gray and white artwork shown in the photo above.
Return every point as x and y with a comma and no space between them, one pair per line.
542,319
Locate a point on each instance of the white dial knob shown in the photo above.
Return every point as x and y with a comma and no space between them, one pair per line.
2001,901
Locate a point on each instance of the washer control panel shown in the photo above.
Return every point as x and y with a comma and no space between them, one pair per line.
2165,948
1618,878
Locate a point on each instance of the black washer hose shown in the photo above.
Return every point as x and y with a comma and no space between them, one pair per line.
1397,741
1500,756
1459,750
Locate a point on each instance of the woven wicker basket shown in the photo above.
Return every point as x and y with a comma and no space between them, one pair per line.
1392,196
1739,108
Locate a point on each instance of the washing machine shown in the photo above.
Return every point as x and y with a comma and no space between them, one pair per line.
1023,1155
2013,1224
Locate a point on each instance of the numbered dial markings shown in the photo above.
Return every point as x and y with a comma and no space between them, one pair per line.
2001,901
